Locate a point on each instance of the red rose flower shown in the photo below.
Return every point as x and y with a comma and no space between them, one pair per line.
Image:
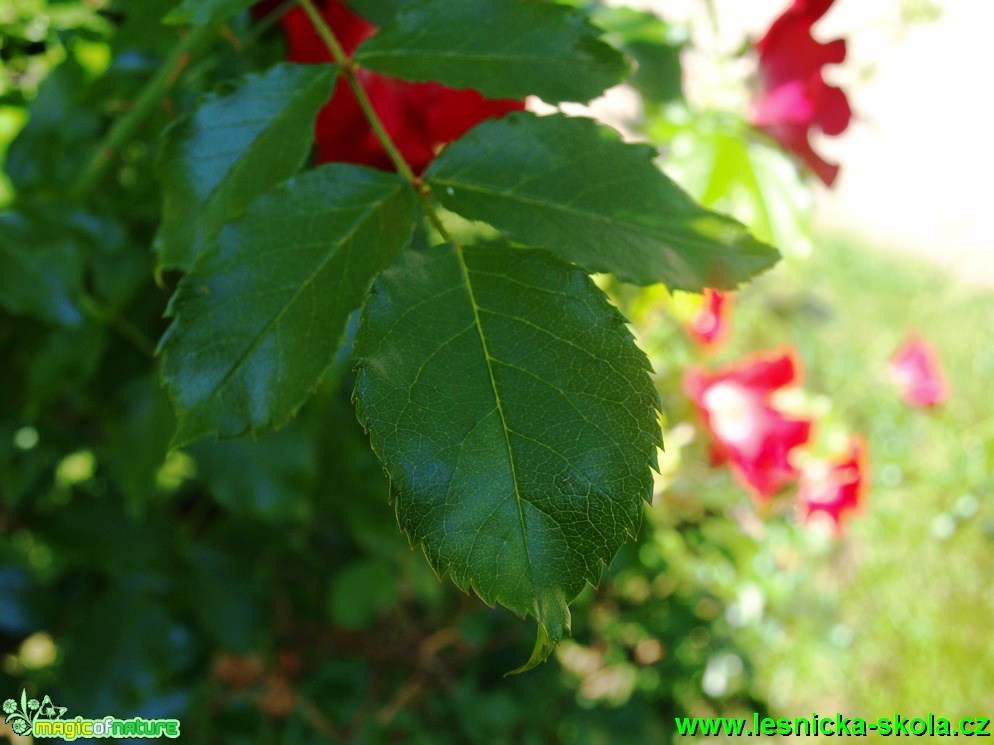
794,97
917,372
419,117
835,488
711,325
747,430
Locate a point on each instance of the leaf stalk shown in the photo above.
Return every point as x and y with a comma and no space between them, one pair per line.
349,70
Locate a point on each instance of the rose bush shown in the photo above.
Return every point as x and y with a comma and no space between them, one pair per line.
227,544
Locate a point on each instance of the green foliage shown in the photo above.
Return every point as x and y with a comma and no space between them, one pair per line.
717,161
597,201
204,12
262,479
503,49
43,270
260,315
524,475
360,592
48,155
236,146
653,44
378,11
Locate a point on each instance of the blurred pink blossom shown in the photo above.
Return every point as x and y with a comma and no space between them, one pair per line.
711,325
917,372
835,488
747,430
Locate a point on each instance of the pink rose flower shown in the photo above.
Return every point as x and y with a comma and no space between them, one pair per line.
794,97
747,430
711,325
917,372
835,488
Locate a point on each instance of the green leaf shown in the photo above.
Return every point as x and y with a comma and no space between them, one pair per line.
229,596
502,48
270,480
378,11
653,44
231,149
125,638
42,273
720,162
258,319
141,32
64,362
204,12
47,155
572,186
362,591
515,417
101,537
137,439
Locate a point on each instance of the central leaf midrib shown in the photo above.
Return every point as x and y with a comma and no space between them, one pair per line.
471,56
273,124
652,230
503,425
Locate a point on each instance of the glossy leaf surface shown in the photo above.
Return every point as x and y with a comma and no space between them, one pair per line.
259,319
572,186
502,48
516,418
232,148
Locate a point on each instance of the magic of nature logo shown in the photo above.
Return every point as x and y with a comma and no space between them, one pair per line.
45,719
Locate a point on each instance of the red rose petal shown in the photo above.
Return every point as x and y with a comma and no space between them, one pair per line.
710,327
747,431
419,117
835,488
794,97
916,370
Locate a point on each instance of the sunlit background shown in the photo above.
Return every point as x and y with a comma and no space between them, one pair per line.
893,616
